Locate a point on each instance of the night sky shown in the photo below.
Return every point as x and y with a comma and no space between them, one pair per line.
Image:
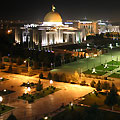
69,9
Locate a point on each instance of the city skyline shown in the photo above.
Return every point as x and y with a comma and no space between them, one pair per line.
30,10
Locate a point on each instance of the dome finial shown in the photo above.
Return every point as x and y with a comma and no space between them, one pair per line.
53,8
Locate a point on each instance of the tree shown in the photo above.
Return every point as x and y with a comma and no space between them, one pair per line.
92,113
112,97
113,89
106,86
11,117
98,86
92,83
49,76
83,82
39,86
75,77
41,75
63,77
10,69
19,61
56,77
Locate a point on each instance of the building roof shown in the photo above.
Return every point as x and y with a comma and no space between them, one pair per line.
53,16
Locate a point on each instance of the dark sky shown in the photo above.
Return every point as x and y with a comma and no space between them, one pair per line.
69,9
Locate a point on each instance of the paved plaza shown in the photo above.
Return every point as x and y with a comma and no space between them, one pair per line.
42,106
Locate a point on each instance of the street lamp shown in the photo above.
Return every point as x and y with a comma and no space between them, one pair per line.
51,82
1,99
4,90
71,104
25,61
29,89
45,118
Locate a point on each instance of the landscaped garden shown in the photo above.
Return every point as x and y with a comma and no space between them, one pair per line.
97,105
3,79
5,92
114,62
108,68
28,84
115,75
99,73
103,68
85,113
39,93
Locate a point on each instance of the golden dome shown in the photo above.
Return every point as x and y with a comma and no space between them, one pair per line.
52,17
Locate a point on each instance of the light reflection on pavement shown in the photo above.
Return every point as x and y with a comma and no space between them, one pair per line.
25,111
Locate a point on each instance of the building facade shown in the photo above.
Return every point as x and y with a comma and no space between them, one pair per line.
51,32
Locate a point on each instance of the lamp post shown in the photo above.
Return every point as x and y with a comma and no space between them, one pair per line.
1,99
51,82
28,63
71,105
46,118
29,89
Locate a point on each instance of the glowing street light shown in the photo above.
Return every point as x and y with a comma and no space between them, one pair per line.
29,89
1,99
1,78
4,90
45,118
25,61
51,82
28,83
71,104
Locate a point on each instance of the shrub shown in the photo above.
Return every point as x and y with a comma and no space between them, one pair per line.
92,84
10,69
49,76
11,117
56,77
2,66
83,82
106,86
41,75
19,61
39,86
98,86
63,78
30,99
23,84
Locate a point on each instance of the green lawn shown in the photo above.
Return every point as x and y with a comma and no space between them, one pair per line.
100,73
115,75
38,94
114,62
110,68
4,108
91,99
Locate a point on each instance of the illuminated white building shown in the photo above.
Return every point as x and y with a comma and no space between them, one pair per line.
51,32
91,27
105,26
